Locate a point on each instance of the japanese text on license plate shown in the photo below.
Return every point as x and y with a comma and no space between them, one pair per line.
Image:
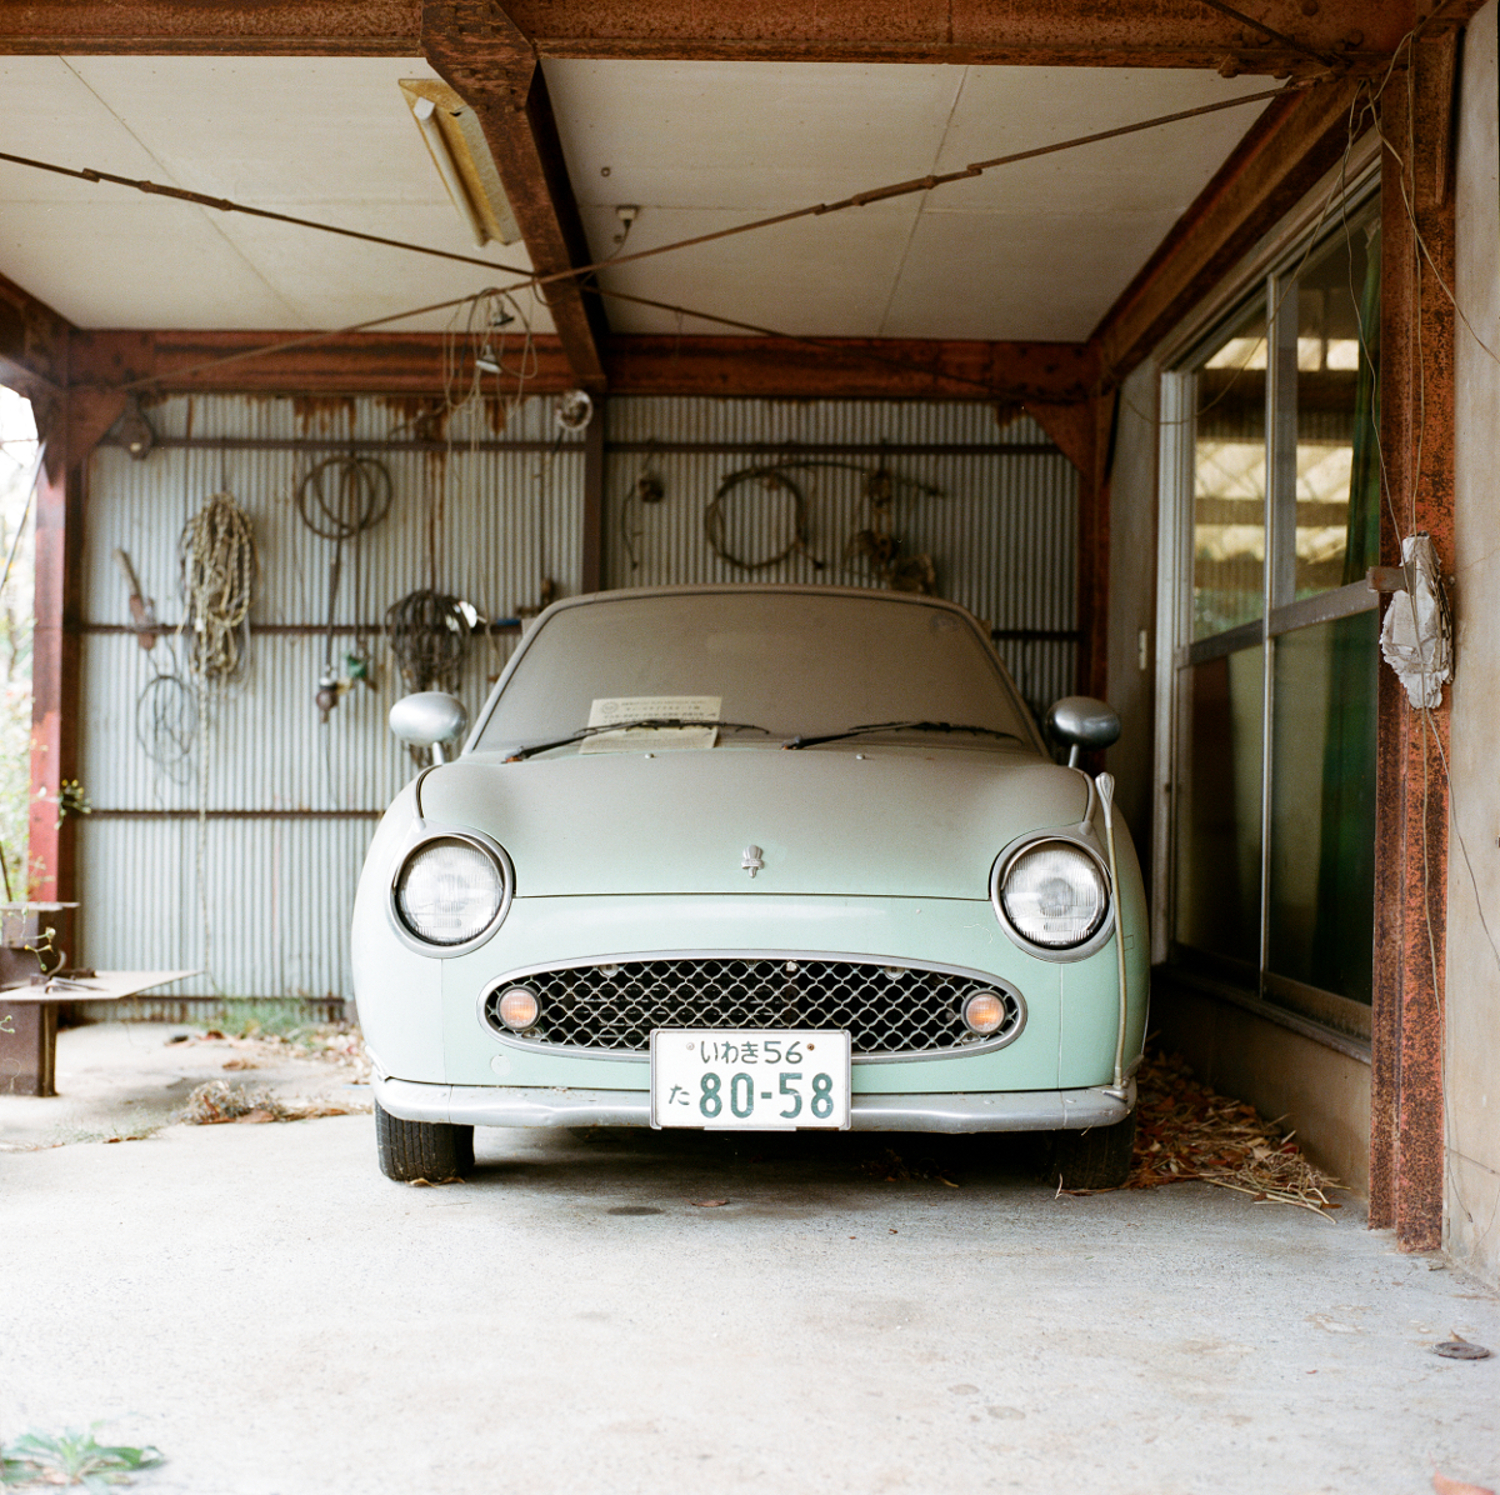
755,1080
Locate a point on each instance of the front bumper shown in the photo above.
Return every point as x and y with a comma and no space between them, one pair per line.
992,1111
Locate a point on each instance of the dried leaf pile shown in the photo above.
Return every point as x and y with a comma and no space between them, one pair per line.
1185,1130
338,1044
218,1101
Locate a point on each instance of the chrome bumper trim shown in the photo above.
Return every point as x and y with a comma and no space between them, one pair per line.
997,1111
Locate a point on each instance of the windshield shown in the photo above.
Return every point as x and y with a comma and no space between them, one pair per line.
791,663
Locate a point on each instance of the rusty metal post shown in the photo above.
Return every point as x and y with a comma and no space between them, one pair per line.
55,659
592,567
1081,430
1411,854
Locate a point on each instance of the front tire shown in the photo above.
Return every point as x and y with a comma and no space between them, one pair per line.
430,1151
1099,1158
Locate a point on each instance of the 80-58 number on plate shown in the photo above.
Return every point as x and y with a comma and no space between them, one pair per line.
754,1079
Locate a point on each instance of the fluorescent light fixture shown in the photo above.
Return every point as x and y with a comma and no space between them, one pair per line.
426,116
456,143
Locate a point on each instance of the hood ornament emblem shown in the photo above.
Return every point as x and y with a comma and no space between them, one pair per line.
751,860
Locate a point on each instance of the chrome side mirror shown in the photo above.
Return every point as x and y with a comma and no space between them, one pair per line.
1082,722
428,720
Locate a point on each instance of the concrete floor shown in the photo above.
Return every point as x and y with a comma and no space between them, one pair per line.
280,1320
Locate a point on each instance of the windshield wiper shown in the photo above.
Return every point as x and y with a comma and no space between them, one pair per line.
803,742
521,754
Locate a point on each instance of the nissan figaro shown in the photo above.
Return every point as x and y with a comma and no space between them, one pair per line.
753,857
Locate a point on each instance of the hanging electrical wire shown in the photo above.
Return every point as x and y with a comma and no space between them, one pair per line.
429,633
360,498
166,724
339,499
773,480
220,565
648,488
879,488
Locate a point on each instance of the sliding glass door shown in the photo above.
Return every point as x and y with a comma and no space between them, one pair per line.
1270,519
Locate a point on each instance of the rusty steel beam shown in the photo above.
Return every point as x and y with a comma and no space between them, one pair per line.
595,465
1081,430
411,363
1134,33
178,362
1101,33
249,28
851,368
33,344
1411,845
478,50
1280,159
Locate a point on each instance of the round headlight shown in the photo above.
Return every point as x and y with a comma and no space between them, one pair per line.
1054,895
449,891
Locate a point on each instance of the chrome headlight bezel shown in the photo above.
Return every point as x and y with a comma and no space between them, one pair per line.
424,837
1075,840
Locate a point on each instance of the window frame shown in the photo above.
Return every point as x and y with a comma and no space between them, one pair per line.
1268,273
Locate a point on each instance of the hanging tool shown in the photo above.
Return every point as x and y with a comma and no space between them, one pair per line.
339,500
142,607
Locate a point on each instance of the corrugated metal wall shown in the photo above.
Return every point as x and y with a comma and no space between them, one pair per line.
1002,528
259,893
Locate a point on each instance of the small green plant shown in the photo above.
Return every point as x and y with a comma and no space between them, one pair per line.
71,1458
72,800
285,1018
47,955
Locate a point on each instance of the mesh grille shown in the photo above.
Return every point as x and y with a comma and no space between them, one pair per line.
887,1009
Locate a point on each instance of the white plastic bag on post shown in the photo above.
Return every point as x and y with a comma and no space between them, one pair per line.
1416,638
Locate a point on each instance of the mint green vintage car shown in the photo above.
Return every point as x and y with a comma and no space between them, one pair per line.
753,857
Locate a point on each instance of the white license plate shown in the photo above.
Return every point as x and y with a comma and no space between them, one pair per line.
759,1079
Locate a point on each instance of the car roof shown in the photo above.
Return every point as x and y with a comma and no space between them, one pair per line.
801,589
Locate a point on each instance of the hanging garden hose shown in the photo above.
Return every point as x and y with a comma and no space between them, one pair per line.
343,496
219,568
880,487
429,634
774,479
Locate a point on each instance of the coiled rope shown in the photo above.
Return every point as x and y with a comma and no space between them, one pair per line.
429,634
220,565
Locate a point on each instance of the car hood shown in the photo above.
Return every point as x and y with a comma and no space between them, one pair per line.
884,822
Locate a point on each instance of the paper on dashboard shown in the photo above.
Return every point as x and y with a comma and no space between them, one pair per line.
607,710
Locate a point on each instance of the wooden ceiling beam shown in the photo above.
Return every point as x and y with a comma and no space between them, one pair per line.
1100,33
481,53
412,364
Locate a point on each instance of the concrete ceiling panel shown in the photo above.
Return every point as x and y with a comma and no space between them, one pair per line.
324,138
1035,251
1017,276
699,144
818,277
1002,110
136,264
745,136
